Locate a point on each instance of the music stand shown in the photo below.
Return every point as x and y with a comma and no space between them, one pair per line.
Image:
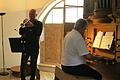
16,44
3,73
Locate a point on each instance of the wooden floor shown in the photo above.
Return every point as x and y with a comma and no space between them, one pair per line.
108,71
46,73
43,76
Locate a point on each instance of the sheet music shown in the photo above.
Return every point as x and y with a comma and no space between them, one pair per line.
106,42
98,38
103,41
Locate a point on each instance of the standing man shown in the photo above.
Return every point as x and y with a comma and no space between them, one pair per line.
30,35
75,54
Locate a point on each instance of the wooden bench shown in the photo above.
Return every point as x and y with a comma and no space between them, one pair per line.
60,75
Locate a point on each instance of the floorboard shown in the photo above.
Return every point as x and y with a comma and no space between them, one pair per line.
43,76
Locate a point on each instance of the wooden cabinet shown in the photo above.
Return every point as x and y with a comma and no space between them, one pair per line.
110,27
104,27
118,44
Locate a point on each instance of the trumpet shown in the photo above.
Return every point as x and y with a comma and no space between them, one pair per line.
26,23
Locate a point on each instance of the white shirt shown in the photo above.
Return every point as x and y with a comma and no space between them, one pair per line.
73,50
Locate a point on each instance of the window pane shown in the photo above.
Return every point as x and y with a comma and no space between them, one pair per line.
49,18
80,2
75,2
55,16
44,13
58,15
72,14
71,2
80,13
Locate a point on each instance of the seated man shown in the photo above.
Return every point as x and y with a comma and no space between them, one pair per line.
75,54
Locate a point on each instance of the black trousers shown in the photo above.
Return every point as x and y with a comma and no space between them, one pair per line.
82,70
33,64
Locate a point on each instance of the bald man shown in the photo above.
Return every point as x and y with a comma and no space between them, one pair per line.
30,34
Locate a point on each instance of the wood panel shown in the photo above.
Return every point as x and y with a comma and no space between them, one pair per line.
118,32
89,37
68,27
52,45
42,52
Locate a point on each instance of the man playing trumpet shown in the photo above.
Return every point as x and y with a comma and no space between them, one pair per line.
30,32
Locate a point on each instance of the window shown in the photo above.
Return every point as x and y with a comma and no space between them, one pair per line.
73,11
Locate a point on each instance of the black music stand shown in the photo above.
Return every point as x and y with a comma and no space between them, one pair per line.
16,44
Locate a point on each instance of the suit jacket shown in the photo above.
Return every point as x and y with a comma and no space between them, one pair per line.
31,36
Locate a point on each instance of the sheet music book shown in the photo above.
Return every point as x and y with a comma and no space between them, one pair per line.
103,41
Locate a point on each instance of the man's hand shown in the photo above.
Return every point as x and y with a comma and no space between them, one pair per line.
29,24
91,62
93,59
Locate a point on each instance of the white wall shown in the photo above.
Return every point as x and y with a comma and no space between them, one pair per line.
16,12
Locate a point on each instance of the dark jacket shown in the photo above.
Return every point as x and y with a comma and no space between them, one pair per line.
31,36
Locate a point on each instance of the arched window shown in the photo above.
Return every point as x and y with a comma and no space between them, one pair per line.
63,10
